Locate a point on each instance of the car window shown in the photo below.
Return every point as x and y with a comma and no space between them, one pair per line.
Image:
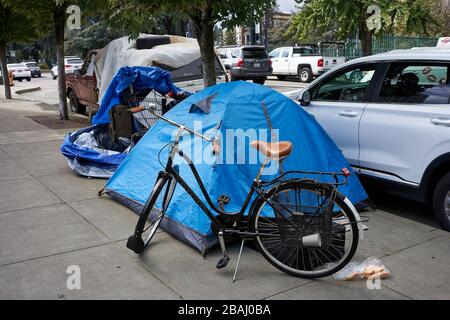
297,52
416,83
347,85
275,53
223,54
31,64
285,53
254,54
235,53
74,61
193,71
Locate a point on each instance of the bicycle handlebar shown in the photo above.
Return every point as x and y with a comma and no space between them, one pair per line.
152,110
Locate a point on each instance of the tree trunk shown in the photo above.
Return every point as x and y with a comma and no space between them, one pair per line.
204,30
365,36
59,16
4,69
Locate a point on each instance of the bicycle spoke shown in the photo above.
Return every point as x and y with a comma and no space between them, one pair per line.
308,214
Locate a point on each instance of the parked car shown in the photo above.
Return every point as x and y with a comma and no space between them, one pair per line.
393,122
301,61
34,68
246,63
20,71
71,64
82,90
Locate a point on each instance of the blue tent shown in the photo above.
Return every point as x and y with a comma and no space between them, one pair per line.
231,106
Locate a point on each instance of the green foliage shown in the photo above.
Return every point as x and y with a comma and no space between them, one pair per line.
135,13
348,17
44,66
95,36
18,26
281,35
230,37
204,15
319,16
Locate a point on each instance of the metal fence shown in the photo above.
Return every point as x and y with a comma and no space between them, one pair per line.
387,43
351,48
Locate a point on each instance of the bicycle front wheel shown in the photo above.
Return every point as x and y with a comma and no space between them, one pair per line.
305,229
152,214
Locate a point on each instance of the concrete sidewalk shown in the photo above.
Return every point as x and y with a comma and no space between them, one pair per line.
51,219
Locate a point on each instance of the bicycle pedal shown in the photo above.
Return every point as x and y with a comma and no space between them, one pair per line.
136,244
222,263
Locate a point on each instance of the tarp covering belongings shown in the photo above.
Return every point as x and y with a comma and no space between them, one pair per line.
140,78
93,151
148,50
224,107
90,152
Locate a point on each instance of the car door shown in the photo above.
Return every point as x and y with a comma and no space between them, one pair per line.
284,60
275,58
408,126
86,83
338,102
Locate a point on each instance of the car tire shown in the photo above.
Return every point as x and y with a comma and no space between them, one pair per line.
229,76
75,105
20,80
28,79
281,78
441,202
259,81
305,74
54,77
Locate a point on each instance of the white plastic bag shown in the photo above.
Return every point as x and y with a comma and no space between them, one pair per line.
371,268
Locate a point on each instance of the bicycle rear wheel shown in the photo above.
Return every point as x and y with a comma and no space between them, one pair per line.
152,214
305,230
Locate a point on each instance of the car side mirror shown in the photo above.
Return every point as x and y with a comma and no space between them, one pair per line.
305,98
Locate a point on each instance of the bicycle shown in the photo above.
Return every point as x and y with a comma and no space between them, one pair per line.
302,226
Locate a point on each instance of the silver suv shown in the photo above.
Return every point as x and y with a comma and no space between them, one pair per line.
246,63
390,115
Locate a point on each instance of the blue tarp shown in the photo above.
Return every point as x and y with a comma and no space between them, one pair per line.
232,106
92,160
87,154
141,78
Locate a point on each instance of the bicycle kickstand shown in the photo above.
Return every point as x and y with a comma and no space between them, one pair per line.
222,263
238,260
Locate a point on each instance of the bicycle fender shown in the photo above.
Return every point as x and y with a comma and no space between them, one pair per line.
361,226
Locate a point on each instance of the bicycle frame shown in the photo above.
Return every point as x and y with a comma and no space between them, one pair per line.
172,172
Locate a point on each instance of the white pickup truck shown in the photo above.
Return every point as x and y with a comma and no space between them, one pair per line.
301,62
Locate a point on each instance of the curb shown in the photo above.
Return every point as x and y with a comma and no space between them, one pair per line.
27,90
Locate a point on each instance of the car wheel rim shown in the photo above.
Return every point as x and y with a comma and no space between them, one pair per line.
304,76
447,204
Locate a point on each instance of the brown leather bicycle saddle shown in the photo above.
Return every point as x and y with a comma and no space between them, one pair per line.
274,150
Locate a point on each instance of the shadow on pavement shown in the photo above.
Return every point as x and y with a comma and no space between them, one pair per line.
404,208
